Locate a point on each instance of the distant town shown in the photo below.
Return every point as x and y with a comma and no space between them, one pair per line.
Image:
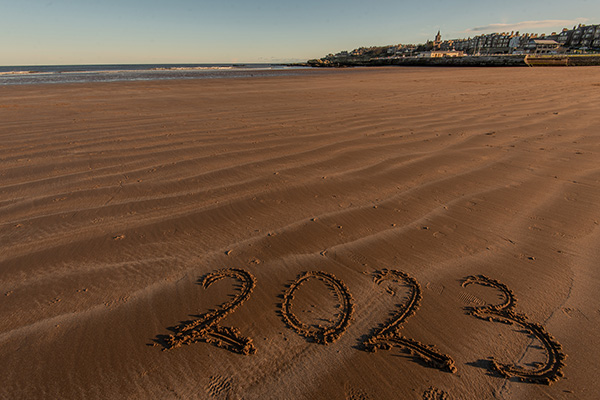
581,39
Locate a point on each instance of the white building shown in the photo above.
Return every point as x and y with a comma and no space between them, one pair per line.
441,53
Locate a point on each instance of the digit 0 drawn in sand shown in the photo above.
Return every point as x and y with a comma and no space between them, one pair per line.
319,334
206,328
389,334
546,373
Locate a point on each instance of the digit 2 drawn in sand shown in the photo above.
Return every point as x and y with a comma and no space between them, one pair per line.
551,369
319,334
389,334
206,328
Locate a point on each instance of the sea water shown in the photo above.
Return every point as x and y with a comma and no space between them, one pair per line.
20,75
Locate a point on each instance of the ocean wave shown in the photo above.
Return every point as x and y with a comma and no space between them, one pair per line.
23,72
191,68
109,73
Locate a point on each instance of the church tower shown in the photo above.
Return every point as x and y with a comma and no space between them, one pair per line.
438,41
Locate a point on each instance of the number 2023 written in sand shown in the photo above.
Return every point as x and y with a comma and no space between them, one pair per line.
207,329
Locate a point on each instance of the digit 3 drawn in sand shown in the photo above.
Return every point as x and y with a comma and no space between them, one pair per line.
389,335
546,373
206,328
319,334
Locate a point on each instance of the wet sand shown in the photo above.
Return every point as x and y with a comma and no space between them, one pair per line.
332,221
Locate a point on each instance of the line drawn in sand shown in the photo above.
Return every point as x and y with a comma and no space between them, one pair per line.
388,335
319,334
206,328
545,373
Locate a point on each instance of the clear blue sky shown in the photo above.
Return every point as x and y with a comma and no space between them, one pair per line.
198,31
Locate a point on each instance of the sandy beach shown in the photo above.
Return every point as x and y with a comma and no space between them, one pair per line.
343,235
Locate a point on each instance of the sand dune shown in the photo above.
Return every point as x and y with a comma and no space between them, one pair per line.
252,219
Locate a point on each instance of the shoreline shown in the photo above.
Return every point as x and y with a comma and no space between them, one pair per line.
23,75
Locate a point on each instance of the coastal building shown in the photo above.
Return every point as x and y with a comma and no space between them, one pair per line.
576,36
596,41
588,36
581,37
441,53
516,41
393,50
565,37
543,46
493,43
447,45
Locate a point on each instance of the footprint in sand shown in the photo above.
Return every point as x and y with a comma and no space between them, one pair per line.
437,288
356,394
470,300
434,393
220,387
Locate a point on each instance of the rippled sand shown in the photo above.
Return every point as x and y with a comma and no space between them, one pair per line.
118,199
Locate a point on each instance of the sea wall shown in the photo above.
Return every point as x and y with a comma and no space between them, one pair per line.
467,61
571,60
